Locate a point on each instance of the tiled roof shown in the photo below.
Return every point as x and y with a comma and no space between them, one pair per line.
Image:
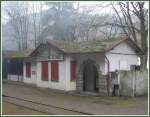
16,54
90,46
101,45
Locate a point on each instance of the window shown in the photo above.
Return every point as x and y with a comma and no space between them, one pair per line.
73,70
28,69
45,70
54,71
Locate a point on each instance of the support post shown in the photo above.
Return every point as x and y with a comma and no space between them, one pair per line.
108,79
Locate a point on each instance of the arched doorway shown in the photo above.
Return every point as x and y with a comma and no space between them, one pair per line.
90,76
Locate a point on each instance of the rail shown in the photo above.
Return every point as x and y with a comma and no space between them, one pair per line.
47,105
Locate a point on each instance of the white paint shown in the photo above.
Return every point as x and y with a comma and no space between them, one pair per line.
64,82
39,81
15,77
123,65
60,84
70,85
119,61
32,79
139,61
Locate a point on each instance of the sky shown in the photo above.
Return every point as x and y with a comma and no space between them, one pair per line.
5,18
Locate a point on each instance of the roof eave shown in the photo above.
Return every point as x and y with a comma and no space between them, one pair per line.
141,52
56,47
85,52
112,47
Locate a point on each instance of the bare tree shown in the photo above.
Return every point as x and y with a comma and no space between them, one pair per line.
36,16
19,22
132,18
95,23
57,20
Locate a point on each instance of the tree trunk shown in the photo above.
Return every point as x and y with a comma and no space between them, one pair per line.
143,37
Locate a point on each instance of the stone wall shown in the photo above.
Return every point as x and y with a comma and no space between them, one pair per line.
102,85
133,83
141,83
101,81
79,81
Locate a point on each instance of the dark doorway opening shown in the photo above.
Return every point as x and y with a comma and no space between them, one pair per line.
90,76
12,66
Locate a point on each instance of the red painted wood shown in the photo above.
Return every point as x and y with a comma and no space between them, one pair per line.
73,70
28,69
54,71
45,70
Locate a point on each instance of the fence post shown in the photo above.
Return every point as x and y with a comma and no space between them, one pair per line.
132,73
135,84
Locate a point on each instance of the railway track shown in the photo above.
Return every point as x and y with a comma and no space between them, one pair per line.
48,109
25,107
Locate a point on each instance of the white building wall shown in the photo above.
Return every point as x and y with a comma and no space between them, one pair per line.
14,77
70,85
119,61
32,79
63,83
39,81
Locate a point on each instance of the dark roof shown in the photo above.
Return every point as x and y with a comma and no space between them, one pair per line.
16,54
82,47
102,45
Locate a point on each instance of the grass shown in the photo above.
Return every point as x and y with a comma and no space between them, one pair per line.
116,101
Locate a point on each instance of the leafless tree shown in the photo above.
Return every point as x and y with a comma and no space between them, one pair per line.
36,20
95,22
132,18
63,21
19,22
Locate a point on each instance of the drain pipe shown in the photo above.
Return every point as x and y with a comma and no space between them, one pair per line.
108,71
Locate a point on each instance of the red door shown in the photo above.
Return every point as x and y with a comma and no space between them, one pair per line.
54,71
45,70
28,69
73,70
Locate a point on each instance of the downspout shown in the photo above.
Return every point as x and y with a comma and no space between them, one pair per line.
108,71
18,69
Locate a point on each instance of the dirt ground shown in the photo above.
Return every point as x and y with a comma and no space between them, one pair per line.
11,109
90,104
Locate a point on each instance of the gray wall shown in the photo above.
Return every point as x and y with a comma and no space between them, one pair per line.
133,83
